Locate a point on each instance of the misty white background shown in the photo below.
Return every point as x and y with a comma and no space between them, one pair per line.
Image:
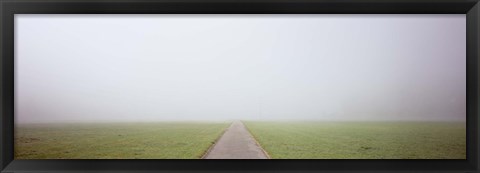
98,68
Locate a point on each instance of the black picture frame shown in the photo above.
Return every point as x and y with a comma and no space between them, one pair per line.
11,7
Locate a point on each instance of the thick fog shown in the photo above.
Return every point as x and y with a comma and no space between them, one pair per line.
102,68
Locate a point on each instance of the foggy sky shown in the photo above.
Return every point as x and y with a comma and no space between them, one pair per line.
97,68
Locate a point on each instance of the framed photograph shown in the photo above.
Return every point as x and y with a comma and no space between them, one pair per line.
239,86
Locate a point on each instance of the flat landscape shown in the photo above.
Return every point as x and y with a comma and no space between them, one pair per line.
182,140
281,140
361,140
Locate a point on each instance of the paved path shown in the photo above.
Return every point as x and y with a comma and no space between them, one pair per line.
236,143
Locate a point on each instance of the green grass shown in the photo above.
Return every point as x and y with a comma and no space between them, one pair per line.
168,140
361,140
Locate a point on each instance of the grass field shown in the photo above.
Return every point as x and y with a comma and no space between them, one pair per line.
173,140
361,140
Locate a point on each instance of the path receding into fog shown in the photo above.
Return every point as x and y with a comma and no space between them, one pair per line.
236,143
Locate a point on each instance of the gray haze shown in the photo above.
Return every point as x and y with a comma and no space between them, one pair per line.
97,68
